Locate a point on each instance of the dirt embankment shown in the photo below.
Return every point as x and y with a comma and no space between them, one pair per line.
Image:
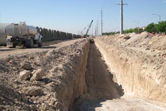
137,62
61,80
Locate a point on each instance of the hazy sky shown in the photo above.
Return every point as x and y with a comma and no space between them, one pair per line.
73,15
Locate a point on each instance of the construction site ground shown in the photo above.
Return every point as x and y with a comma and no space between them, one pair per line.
77,78
102,91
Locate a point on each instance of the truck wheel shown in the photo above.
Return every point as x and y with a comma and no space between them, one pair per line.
14,45
23,45
31,42
40,43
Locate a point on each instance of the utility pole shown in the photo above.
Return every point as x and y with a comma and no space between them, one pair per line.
0,17
121,16
121,24
97,29
101,22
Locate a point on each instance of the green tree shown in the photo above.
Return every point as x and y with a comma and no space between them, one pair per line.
136,30
130,30
161,26
151,28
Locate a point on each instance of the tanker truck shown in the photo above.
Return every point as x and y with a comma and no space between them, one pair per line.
22,35
2,33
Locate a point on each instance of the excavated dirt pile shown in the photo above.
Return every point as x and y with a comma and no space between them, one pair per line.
44,81
137,62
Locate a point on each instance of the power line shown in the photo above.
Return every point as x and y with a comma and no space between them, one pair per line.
109,4
111,14
101,14
100,10
104,3
115,15
111,8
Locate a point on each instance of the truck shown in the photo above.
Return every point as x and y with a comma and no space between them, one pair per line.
20,34
3,34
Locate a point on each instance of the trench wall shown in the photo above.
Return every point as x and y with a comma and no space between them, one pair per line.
62,83
67,73
73,77
135,71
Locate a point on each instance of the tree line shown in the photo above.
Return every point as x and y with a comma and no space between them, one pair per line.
151,28
156,28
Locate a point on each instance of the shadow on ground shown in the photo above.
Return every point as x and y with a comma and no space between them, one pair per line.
6,49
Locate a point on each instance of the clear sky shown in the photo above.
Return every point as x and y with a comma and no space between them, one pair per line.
74,15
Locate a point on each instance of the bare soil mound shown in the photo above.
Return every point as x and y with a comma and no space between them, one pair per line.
44,80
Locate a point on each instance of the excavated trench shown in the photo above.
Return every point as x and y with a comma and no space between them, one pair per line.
78,79
104,94
98,78
99,83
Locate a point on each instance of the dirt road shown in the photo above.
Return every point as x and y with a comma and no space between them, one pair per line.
4,51
104,94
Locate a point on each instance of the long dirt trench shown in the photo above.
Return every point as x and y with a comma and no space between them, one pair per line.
76,79
105,95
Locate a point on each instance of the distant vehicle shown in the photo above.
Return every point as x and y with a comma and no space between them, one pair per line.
91,39
2,33
23,35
